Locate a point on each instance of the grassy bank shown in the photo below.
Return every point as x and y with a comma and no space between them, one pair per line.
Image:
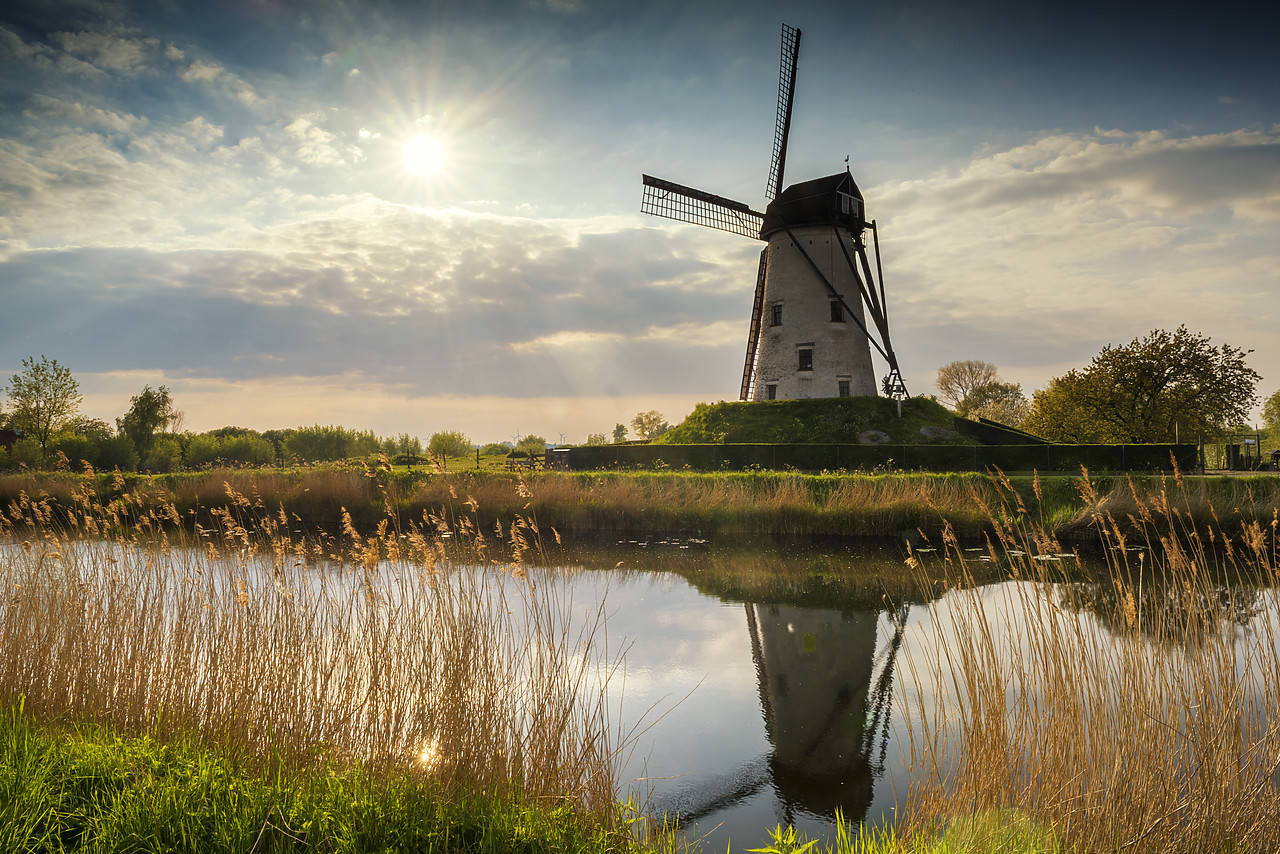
238,685
1134,711
775,503
238,688
368,657
87,789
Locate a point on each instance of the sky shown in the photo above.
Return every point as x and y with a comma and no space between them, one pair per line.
215,196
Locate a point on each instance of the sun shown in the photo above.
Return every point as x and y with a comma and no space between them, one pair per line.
423,155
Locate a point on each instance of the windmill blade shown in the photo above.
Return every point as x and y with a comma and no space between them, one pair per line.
786,93
676,201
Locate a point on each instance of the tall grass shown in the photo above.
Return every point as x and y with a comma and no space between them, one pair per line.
1137,713
786,503
388,652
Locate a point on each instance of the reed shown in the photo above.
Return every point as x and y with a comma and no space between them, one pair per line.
430,650
1131,712
827,504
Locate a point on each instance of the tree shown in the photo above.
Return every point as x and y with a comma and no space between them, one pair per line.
317,444
650,425
450,444
1153,389
1271,411
150,412
532,445
43,398
410,446
619,433
956,380
995,401
596,439
164,455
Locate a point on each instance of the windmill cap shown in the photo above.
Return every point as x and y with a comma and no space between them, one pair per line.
835,199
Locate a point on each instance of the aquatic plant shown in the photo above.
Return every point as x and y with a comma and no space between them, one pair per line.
1137,712
430,650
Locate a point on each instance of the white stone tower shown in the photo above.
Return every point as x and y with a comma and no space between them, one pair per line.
812,337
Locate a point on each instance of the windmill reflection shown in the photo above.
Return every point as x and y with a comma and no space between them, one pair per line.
825,688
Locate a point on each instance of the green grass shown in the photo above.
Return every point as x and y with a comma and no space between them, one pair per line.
705,504
84,789
837,420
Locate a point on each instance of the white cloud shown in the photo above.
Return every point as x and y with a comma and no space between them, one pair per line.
110,52
217,77
43,108
314,144
1072,239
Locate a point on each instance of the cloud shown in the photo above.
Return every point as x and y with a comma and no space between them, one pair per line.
111,52
1046,249
48,110
445,302
216,77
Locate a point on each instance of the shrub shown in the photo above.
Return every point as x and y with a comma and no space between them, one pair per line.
450,444
164,456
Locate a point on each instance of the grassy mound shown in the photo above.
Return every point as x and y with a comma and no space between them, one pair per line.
830,420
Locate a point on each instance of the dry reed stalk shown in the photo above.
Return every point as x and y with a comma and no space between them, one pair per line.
390,650
1135,712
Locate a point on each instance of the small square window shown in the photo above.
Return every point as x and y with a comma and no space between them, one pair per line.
775,314
771,391
806,359
844,388
837,312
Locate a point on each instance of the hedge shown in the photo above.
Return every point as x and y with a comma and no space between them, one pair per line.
1043,457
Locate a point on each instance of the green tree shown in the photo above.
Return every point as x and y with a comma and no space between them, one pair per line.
995,401
957,380
1271,412
1152,389
650,425
597,439
532,445
150,412
164,455
450,444
402,444
495,448
44,398
326,444
619,433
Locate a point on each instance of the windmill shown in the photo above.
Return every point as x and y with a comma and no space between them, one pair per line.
809,333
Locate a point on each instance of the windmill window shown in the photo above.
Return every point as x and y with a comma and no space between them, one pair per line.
844,387
771,391
775,314
837,312
806,359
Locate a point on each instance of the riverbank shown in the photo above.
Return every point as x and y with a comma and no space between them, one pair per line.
87,788
154,641
706,505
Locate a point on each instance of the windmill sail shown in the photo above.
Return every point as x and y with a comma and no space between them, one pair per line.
676,201
786,94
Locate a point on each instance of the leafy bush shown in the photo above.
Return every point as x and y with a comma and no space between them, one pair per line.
233,450
318,444
450,444
164,456
26,451
532,445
